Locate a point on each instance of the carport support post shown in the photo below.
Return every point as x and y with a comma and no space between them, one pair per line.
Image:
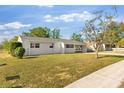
63,48
29,48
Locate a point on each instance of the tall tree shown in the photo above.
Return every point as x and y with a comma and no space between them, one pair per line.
121,27
77,37
55,33
121,43
112,34
43,32
26,34
95,29
38,31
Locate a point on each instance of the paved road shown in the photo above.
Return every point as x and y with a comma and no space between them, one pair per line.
107,77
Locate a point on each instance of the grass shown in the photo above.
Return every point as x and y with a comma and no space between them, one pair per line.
44,71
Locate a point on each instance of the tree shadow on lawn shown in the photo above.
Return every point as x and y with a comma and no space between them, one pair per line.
17,87
4,64
30,57
12,77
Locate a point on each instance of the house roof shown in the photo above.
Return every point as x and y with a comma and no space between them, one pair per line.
40,39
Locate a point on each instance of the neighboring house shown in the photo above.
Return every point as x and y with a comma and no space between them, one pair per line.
90,47
38,45
109,47
104,47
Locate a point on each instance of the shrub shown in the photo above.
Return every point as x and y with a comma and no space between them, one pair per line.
13,46
19,52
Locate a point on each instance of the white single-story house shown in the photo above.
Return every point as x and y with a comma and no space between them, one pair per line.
38,45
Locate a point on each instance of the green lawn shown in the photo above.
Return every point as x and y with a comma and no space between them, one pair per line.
56,70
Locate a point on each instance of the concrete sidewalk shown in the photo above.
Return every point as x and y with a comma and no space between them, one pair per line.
107,77
107,53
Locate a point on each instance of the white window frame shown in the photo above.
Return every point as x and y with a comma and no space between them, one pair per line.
33,45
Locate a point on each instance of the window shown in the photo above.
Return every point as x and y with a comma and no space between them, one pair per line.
69,46
51,46
34,45
37,45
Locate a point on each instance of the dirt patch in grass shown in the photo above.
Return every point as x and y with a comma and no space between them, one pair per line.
63,75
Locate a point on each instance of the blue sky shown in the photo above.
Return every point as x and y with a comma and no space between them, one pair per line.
69,18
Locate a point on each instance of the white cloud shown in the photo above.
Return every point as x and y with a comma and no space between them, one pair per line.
69,17
13,26
10,30
49,6
48,18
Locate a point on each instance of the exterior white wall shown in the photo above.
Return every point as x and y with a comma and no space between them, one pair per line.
69,50
44,49
25,44
58,47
